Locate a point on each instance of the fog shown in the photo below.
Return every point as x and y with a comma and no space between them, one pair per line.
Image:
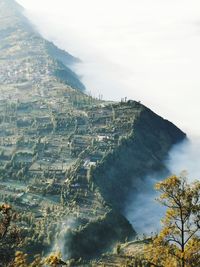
61,238
145,50
141,49
142,210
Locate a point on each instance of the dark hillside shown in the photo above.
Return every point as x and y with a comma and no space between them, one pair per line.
140,153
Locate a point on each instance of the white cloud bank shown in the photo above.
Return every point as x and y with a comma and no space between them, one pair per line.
145,50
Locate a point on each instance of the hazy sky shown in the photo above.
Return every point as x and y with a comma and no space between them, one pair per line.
147,50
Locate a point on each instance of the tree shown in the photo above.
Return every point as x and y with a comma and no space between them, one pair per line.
178,243
10,236
21,260
55,260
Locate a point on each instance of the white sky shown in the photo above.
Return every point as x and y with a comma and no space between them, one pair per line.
147,50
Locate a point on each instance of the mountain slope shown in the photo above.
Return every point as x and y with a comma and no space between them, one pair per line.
29,58
68,161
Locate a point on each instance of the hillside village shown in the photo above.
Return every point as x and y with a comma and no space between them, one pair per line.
57,145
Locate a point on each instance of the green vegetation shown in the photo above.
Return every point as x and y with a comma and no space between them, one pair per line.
96,235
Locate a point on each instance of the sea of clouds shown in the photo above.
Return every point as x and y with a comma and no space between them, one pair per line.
145,50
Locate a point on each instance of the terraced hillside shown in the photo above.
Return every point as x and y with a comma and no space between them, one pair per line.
32,63
68,161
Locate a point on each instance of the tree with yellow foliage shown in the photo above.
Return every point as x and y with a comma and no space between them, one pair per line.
21,260
178,243
55,260
10,237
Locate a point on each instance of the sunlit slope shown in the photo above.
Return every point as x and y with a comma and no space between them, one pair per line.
26,59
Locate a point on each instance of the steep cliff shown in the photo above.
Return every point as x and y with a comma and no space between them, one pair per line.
139,153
